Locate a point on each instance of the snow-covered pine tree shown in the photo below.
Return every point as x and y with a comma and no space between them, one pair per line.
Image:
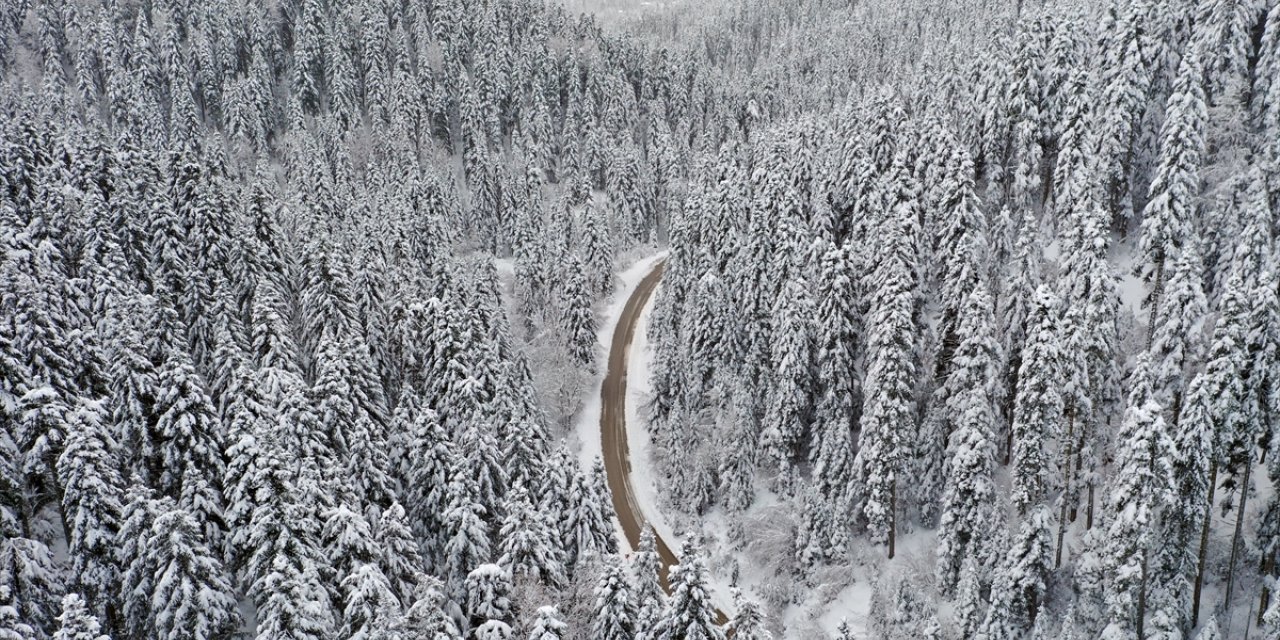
175,585
836,406
748,621
465,533
488,588
370,607
1142,486
548,625
889,389
1037,404
1172,208
77,622
689,614
526,541
92,497
786,420
614,612
646,569
1021,582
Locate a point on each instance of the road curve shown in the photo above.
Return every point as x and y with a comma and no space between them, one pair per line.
613,426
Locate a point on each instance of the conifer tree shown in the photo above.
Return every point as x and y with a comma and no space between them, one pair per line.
1037,403
889,396
92,498
689,614
835,411
527,543
614,612
76,621
548,625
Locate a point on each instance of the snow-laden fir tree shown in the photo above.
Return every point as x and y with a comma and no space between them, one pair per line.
614,612
786,419
889,406
548,625
1037,404
488,593
650,598
689,614
969,504
526,544
748,621
77,622
370,606
1021,581
1142,487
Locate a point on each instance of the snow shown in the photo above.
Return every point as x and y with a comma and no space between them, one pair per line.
586,426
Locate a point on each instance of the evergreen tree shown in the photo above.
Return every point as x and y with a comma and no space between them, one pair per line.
176,587
1038,403
488,588
748,621
689,614
835,412
370,605
548,625
91,505
526,542
650,598
77,622
614,612
1021,582
1143,484
889,395
787,417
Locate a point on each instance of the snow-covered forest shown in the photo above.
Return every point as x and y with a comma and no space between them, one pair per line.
968,324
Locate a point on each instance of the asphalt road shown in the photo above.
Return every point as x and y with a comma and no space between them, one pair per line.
613,426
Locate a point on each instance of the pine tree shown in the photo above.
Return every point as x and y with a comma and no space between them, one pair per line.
548,625
1020,583
91,505
577,320
400,559
1038,403
370,606
614,612
175,585
650,598
689,614
77,622
970,609
1171,208
1143,484
465,534
786,420
835,411
966,395
488,589
597,250
748,621
526,542
889,394
32,580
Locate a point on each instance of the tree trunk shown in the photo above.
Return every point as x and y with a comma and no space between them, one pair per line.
1239,532
893,515
1066,494
1088,513
1142,595
1204,544
1268,565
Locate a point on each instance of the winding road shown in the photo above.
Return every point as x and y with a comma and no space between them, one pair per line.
613,426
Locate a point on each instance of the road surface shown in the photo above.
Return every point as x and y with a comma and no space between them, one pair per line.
613,426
